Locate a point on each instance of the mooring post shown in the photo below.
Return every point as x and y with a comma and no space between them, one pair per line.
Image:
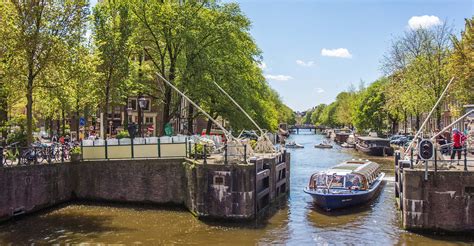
159,148
465,159
62,153
435,161
245,153
411,158
225,154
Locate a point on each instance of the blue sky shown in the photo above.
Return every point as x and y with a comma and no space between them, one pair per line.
293,33
288,31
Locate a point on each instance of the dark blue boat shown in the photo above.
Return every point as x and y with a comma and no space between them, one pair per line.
348,184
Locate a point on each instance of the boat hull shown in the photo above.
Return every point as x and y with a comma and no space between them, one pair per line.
330,201
376,151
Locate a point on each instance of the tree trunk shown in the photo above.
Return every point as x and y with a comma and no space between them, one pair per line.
29,108
417,121
190,119
209,126
106,111
63,123
4,115
167,106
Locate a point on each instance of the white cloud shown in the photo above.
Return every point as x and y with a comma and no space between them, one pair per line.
424,21
278,77
305,64
319,90
340,52
262,65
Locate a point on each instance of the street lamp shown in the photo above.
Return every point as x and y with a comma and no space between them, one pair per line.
142,104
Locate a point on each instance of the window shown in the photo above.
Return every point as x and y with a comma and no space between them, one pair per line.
148,104
218,180
132,103
149,120
130,119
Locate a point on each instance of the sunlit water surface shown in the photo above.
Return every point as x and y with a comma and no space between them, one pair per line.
298,222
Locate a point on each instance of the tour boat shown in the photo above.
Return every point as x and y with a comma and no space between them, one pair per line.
293,145
374,146
348,184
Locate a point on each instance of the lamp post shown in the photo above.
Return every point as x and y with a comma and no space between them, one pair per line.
142,104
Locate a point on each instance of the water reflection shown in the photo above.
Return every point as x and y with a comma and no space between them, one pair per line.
298,222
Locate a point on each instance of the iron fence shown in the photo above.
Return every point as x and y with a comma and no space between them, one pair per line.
14,155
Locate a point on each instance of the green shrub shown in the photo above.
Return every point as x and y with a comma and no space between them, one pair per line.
122,134
76,150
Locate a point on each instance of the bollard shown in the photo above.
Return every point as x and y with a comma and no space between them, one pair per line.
106,153
82,151
205,153
435,161
159,148
245,153
411,158
465,159
50,152
62,153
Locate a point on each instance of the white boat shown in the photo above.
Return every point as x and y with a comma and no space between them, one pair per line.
347,184
293,145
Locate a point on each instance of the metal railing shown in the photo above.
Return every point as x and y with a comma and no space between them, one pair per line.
14,155
464,158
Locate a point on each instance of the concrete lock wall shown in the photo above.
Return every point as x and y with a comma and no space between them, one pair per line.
444,202
215,191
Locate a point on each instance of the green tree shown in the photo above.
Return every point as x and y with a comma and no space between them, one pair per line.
43,26
370,113
112,31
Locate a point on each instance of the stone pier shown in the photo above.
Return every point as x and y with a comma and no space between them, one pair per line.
442,201
232,191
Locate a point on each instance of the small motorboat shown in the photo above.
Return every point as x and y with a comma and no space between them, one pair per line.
323,146
348,145
350,183
293,145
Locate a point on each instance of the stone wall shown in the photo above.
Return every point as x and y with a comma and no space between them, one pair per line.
207,190
31,188
444,202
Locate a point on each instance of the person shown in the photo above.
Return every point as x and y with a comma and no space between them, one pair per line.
458,142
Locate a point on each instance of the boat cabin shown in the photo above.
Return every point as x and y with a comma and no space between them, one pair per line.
369,142
350,175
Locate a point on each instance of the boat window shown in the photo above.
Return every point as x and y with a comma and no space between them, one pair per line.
321,180
337,181
353,181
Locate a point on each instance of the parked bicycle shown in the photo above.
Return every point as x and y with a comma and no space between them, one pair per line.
11,154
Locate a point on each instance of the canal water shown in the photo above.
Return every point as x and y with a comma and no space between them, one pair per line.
298,222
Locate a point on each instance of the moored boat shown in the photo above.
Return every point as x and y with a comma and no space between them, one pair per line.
348,184
341,135
293,145
348,145
374,146
323,146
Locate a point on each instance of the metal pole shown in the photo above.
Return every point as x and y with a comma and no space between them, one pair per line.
431,112
131,146
465,159
453,123
227,133
238,106
411,158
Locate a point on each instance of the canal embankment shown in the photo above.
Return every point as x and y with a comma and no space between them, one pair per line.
206,189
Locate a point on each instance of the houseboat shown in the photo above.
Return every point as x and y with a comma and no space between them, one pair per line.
348,184
374,146
341,135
